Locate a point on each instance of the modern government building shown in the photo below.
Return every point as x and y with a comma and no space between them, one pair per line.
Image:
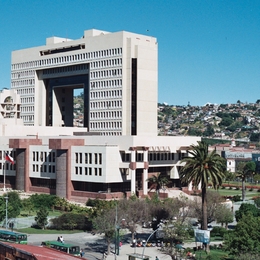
117,148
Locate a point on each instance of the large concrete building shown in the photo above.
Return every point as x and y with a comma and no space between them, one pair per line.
116,151
116,71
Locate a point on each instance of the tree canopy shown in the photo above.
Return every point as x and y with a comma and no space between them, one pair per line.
203,168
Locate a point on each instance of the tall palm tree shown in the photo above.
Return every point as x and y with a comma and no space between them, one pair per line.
203,168
158,182
245,169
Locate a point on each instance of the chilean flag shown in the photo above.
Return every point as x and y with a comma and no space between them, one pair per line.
9,158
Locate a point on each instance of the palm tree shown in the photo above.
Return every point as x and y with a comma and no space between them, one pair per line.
158,182
244,170
203,168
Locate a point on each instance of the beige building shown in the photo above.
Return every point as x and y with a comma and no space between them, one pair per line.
117,148
117,72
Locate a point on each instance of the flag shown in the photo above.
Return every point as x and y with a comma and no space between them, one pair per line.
9,158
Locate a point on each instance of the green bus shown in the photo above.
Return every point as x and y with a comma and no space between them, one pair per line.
64,247
13,237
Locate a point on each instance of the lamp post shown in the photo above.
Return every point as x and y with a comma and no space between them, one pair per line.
6,211
4,175
117,228
148,240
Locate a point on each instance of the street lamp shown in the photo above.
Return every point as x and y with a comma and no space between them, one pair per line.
6,211
148,240
117,227
4,175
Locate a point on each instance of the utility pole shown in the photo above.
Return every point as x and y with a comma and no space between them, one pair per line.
6,211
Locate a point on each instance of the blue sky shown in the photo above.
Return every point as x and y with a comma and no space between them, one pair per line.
209,51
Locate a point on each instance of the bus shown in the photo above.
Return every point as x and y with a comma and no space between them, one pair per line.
13,237
64,247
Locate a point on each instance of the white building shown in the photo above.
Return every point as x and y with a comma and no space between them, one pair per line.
117,71
118,148
79,167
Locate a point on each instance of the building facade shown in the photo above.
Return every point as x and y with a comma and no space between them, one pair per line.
80,167
117,72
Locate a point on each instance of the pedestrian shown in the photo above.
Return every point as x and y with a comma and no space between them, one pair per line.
156,258
61,239
58,239
81,252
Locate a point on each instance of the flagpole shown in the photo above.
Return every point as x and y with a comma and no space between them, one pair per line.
4,175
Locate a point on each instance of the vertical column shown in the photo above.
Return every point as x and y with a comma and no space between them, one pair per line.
145,171
61,173
133,168
20,170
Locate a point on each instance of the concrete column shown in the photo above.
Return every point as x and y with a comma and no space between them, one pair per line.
145,172
61,173
133,172
20,170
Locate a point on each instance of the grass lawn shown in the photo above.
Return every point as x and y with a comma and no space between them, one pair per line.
52,213
215,254
47,231
228,192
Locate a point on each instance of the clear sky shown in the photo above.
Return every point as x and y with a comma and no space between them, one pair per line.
209,51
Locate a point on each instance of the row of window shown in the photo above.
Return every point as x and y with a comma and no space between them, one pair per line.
88,171
109,133
27,100
68,58
152,156
106,125
43,168
106,63
106,104
25,91
43,156
106,115
106,94
26,109
106,83
22,74
97,158
106,73
22,83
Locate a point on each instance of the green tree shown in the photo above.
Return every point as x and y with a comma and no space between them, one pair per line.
244,170
105,223
174,232
42,217
246,209
203,168
158,182
133,211
223,215
229,176
14,204
27,205
256,178
245,238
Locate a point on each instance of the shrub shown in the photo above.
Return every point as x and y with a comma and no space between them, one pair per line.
218,231
71,221
237,188
236,198
257,202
